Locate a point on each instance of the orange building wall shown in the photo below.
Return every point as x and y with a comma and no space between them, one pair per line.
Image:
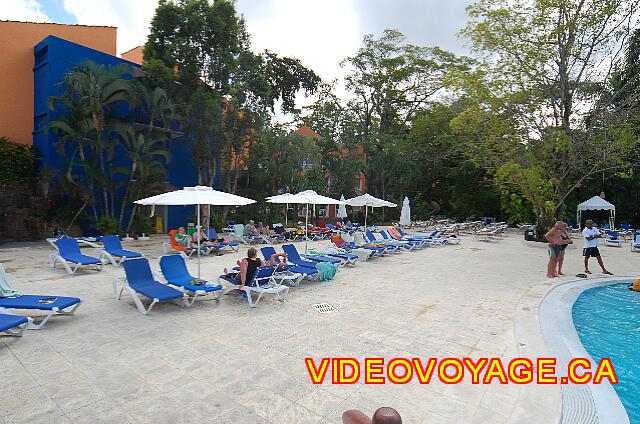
16,67
134,55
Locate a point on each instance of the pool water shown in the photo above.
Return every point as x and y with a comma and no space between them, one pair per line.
607,319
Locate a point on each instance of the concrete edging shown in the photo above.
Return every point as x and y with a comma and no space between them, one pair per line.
543,327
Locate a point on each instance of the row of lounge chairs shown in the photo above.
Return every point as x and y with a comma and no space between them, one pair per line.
181,287
67,252
492,232
236,232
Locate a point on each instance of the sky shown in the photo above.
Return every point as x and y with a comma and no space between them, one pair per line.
321,33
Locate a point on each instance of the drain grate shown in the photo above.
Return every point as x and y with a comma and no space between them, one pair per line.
324,308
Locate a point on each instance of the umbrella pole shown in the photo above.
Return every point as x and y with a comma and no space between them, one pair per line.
286,217
306,230
366,213
198,235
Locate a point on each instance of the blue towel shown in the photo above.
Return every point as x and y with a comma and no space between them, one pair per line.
327,270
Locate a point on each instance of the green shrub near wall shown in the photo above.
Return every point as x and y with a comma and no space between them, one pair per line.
16,161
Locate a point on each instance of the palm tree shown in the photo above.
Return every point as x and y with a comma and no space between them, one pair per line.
140,147
91,92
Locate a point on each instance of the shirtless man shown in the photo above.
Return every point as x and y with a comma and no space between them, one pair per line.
554,237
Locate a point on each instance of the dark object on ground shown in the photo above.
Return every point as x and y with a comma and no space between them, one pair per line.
384,415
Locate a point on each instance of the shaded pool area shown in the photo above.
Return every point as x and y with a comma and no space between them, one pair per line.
607,319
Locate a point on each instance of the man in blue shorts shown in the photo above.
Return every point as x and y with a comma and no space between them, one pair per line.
591,236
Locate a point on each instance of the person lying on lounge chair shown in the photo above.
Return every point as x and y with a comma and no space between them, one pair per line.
262,229
182,238
249,265
204,241
250,230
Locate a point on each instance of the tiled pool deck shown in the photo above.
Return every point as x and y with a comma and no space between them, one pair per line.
226,363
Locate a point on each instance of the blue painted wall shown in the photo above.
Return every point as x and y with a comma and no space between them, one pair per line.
54,58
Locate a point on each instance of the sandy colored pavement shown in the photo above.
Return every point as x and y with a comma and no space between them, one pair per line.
227,363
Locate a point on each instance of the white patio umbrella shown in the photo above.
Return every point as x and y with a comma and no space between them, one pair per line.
198,195
308,197
367,201
342,209
286,211
405,214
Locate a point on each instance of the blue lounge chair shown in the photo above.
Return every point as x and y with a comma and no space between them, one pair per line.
175,271
430,240
141,281
238,234
263,282
294,256
231,245
13,325
635,241
295,261
612,238
222,245
390,247
305,271
345,257
113,249
68,253
341,243
416,244
405,244
52,305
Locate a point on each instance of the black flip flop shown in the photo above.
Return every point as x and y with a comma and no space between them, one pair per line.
581,275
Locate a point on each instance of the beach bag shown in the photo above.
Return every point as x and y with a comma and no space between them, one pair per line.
326,270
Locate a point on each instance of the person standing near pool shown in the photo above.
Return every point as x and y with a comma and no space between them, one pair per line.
591,236
556,242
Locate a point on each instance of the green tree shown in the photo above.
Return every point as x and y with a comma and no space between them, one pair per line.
545,65
226,90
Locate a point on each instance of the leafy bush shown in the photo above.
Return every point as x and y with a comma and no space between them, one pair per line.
107,225
16,161
143,224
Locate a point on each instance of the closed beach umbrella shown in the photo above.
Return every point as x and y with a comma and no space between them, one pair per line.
308,197
405,214
368,201
198,195
342,209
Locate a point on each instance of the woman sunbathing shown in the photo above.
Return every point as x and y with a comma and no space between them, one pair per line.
249,265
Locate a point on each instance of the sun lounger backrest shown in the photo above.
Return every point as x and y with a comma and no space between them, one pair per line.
292,252
268,252
174,268
68,246
137,271
111,243
262,273
370,236
238,229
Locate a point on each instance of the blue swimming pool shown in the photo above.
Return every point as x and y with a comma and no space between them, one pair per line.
607,319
